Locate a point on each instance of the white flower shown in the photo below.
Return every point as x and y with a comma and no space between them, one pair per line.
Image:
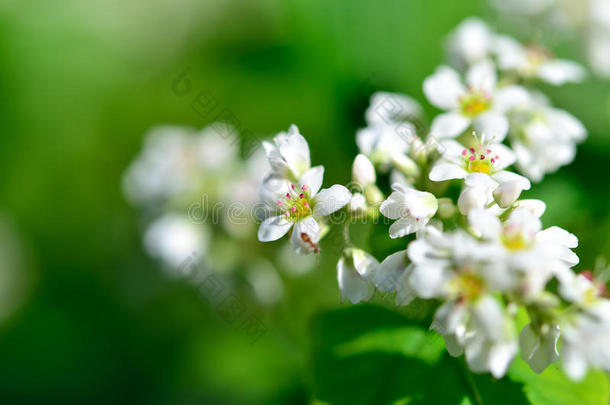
298,205
482,168
411,208
539,345
586,342
535,62
354,269
470,42
288,154
523,247
389,135
175,161
544,139
478,102
174,239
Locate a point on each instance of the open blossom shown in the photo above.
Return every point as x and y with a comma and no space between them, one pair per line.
389,134
543,138
412,209
478,102
482,168
531,256
535,62
299,205
462,271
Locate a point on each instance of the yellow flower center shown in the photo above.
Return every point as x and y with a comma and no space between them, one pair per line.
474,103
467,285
296,204
480,160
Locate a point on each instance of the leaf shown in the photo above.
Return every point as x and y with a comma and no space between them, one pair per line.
552,387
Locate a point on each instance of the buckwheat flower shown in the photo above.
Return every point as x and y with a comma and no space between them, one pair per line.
470,42
462,272
482,168
544,139
363,172
478,103
412,209
538,255
390,132
538,345
535,62
174,239
288,154
299,205
354,270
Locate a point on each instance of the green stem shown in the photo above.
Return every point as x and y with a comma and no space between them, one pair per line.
471,384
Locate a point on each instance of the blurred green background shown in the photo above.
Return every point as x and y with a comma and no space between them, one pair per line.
94,319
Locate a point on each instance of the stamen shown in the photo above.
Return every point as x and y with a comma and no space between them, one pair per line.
304,188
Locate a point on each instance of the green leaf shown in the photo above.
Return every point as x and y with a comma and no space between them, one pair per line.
552,387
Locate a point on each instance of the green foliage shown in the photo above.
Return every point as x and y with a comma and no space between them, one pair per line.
369,355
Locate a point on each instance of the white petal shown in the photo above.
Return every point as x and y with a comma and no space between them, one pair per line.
510,97
390,271
492,125
574,363
406,225
485,223
388,108
511,54
536,207
305,236
566,125
448,125
273,228
273,188
331,199
312,179
472,198
352,285
558,235
395,206
421,203
561,71
444,88
427,281
446,171
506,156
482,76
363,171
294,150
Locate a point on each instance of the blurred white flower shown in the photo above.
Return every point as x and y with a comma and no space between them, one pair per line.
470,42
288,154
479,102
173,239
265,281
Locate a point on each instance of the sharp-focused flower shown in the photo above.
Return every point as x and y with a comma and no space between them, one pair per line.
482,168
354,270
478,103
412,209
535,62
288,154
299,205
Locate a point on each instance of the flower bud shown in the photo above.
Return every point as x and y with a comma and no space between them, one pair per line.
363,171
508,192
357,204
405,164
471,198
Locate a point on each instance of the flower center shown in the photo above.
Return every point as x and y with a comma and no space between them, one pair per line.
515,239
474,103
536,56
467,285
479,160
296,204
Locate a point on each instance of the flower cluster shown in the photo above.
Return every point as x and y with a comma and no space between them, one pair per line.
472,243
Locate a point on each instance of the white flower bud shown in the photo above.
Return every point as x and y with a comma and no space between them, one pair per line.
405,164
536,207
357,204
363,171
471,198
508,192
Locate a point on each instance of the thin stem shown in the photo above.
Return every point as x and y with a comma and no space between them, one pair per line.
346,233
471,384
